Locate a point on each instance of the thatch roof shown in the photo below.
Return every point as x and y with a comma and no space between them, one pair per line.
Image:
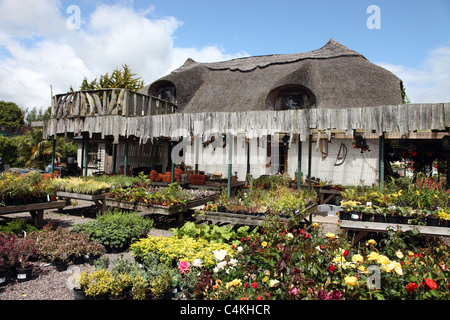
336,77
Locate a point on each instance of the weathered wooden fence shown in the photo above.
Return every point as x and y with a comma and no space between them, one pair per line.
104,102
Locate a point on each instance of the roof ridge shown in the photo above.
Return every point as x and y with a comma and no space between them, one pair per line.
332,49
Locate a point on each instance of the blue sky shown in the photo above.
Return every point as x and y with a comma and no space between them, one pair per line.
40,47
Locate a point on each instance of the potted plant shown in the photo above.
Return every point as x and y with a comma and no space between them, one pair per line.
121,284
26,248
432,218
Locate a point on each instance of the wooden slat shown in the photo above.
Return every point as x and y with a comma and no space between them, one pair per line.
382,227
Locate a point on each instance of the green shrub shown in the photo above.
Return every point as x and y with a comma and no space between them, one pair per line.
17,226
116,229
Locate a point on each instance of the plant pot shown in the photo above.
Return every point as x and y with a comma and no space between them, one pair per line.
3,277
355,216
61,265
344,215
391,218
434,222
405,220
24,274
379,218
366,217
79,294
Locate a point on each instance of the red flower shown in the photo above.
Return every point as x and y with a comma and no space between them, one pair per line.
410,287
345,253
254,285
331,269
246,285
430,284
258,298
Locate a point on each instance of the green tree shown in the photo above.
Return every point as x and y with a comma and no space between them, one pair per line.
35,152
119,78
10,115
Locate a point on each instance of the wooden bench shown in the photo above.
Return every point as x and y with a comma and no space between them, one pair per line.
363,228
249,220
36,210
145,209
98,199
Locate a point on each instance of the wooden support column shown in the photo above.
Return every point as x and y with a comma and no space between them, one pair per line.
247,175
114,158
53,153
230,161
299,163
152,154
381,161
86,151
197,141
309,161
125,158
82,155
172,164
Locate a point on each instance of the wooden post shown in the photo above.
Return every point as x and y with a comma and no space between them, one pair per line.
114,158
197,142
152,154
309,161
82,154
299,163
172,164
125,159
381,159
53,153
230,161
86,151
248,162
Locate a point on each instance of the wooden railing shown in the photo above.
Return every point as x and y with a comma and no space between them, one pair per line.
103,102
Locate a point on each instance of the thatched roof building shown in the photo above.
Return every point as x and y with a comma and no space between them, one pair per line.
331,77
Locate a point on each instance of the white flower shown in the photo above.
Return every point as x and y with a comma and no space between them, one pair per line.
239,248
221,265
197,262
220,254
233,262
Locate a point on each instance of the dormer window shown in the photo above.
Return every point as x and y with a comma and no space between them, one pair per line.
166,92
291,97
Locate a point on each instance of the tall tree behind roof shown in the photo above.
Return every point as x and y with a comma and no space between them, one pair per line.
119,78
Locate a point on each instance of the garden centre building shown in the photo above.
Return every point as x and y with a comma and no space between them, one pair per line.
330,114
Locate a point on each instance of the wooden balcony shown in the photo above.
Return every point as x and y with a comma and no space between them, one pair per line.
104,102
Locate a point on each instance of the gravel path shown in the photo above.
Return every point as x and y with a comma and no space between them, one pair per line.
49,284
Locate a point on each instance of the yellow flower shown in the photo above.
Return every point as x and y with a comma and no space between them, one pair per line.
383,260
315,224
265,279
358,258
351,281
330,235
264,244
371,241
410,253
373,256
399,254
362,269
273,283
397,268
417,192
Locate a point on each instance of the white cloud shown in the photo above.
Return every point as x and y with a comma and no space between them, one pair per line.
43,51
431,82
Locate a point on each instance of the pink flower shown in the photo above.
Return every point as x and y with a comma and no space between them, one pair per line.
184,266
293,291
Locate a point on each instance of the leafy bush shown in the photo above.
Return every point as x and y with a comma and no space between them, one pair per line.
116,229
171,250
17,227
62,245
226,234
